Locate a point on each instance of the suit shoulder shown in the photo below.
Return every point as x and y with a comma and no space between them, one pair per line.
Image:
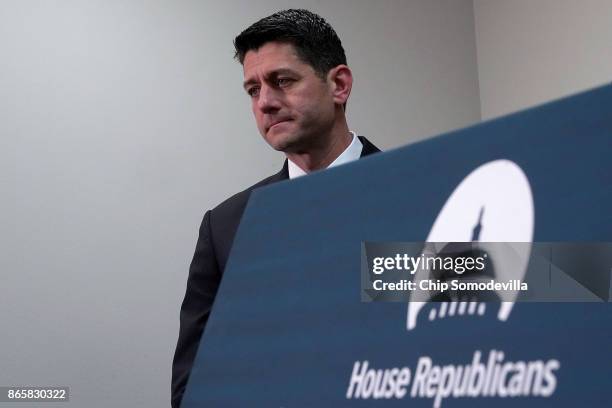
225,218
236,203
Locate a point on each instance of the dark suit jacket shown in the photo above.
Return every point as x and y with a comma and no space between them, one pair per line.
212,250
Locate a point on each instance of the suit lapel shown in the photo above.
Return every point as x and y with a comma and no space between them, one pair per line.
368,148
283,174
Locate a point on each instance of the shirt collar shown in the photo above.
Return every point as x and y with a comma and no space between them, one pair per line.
352,152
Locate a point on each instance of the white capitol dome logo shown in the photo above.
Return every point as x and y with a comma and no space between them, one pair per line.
492,204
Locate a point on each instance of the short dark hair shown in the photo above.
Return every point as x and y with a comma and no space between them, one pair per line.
314,40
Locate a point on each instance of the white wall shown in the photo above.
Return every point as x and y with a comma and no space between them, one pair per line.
414,64
121,122
533,51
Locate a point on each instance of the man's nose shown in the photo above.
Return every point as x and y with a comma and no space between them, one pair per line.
268,100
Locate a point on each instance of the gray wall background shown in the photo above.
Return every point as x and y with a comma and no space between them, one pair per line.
121,122
532,51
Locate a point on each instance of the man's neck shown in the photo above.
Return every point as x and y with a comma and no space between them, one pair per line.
322,157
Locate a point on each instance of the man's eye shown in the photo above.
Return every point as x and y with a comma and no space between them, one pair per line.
253,91
281,82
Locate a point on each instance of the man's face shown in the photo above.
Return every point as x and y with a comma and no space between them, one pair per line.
293,107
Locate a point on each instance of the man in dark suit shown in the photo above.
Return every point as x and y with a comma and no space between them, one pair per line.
296,75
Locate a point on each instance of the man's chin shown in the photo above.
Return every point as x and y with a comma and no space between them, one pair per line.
282,142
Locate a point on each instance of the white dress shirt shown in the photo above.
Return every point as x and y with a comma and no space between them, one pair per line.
352,152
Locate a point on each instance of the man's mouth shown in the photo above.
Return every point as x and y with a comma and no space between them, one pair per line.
277,122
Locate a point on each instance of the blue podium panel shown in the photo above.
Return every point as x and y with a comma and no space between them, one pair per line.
289,328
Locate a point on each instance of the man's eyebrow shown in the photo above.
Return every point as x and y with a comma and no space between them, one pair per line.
271,74
248,82
283,71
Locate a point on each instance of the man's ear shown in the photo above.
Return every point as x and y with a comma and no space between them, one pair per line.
341,80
